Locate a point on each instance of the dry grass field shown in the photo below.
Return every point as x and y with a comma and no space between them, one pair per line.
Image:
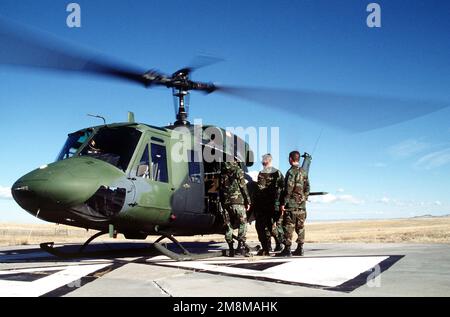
414,230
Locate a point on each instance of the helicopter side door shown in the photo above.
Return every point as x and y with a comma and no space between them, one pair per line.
188,199
151,176
194,185
188,195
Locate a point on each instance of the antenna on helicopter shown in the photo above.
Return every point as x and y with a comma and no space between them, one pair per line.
317,142
97,116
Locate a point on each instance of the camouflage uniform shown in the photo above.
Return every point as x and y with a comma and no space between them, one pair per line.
266,206
294,198
277,226
234,198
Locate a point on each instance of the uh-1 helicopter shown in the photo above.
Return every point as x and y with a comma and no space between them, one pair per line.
140,180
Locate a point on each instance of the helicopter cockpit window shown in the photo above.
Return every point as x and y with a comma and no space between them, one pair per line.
113,145
143,169
159,163
73,144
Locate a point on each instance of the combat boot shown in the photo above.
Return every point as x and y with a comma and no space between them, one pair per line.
239,247
265,251
231,249
278,246
244,250
299,250
286,251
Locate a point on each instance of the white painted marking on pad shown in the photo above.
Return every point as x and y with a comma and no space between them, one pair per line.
322,271
66,276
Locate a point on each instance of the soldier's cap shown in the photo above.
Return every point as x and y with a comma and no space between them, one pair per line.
267,157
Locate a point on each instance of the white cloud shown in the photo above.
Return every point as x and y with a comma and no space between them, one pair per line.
395,202
5,193
407,148
379,164
385,200
330,199
434,159
408,203
340,190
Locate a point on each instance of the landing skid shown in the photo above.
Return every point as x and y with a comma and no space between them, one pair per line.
49,247
152,249
186,255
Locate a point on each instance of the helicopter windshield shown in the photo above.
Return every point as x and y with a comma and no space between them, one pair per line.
114,145
73,144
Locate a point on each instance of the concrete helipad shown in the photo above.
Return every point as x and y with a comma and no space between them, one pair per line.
326,269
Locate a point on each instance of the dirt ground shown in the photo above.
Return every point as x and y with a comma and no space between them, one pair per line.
414,230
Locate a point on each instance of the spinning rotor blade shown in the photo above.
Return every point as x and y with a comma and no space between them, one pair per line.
24,48
201,61
356,113
198,62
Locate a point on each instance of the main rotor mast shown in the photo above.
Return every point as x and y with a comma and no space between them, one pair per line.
181,85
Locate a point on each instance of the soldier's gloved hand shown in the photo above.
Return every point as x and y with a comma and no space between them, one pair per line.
247,207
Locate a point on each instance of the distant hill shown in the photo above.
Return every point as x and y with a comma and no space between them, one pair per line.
431,216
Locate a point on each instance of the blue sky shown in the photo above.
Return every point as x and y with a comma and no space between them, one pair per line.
399,171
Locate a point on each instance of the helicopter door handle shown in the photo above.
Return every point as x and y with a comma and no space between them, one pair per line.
186,186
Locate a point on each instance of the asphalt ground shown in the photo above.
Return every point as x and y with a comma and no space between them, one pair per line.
127,269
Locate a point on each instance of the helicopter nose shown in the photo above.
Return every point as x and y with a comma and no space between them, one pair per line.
30,190
65,183
27,194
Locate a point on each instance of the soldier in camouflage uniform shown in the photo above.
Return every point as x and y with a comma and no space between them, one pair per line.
293,204
235,202
266,205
